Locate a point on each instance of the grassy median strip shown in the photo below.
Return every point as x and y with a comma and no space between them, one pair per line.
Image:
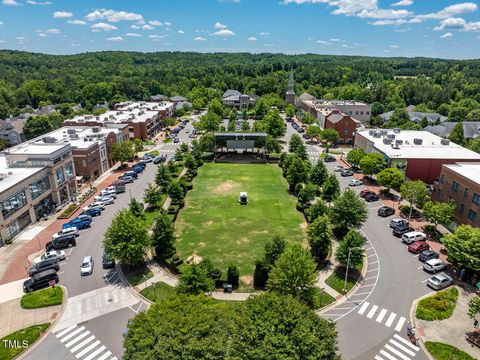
439,306
442,351
15,343
337,282
42,298
158,292
138,275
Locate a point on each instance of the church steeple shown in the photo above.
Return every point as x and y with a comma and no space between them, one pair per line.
290,97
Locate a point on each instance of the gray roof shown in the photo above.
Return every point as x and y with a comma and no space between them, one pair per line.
158,97
471,129
416,116
182,104
178,98
229,93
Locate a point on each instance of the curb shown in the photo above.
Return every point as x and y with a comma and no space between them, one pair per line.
413,320
48,331
130,287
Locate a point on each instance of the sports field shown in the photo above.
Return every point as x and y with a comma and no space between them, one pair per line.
214,225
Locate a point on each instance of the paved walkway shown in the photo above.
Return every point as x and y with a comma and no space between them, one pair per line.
326,272
452,330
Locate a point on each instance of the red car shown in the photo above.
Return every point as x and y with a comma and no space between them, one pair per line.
366,192
418,247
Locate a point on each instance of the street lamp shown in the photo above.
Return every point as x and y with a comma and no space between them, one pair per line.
348,264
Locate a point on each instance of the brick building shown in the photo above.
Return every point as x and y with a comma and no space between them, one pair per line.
345,125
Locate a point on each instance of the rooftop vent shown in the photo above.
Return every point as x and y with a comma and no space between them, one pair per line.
371,132
96,129
396,131
391,136
387,141
49,140
398,142
418,141
71,131
73,136
377,134
445,142
384,132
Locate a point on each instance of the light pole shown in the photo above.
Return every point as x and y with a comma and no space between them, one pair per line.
348,264
130,193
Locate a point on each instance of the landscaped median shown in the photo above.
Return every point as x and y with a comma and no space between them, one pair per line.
15,343
337,282
439,306
42,298
442,351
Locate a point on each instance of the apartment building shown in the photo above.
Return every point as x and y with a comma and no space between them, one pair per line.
460,183
345,125
237,99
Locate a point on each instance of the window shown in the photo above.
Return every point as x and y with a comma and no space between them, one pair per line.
60,176
69,170
441,179
361,112
462,209
18,225
13,204
476,199
367,112
472,215
465,193
356,112
455,186
39,187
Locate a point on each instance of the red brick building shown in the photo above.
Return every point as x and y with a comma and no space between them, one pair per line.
345,125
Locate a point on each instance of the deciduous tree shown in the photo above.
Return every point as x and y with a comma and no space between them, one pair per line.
348,212
372,164
355,156
331,188
463,248
391,178
415,192
352,242
318,174
320,237
275,126
194,280
153,196
163,237
438,212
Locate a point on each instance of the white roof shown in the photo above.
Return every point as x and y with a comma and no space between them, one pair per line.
470,171
36,148
144,105
430,148
117,116
13,176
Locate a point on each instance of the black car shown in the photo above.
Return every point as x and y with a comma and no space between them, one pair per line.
385,211
131,173
40,280
400,230
176,140
346,173
158,160
428,254
329,158
372,197
107,261
61,242
44,265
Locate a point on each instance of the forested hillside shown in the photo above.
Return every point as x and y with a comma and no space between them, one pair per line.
448,86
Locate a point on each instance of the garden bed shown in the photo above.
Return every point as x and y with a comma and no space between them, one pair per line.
439,306
69,211
42,298
337,281
29,335
442,351
137,275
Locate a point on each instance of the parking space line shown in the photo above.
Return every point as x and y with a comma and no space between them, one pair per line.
363,293
372,270
420,267
368,278
373,262
424,281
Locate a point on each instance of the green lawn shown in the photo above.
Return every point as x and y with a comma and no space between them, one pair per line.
24,339
42,298
214,225
439,306
442,351
158,291
136,276
337,281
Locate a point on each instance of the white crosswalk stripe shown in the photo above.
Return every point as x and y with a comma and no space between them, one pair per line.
397,348
83,344
371,312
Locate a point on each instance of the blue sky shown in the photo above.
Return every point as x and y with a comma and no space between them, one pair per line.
433,28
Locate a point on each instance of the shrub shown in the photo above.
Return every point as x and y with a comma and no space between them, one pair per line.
233,275
68,211
42,298
173,209
189,185
260,276
301,207
439,306
176,261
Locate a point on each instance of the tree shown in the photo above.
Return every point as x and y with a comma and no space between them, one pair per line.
330,136
290,111
349,211
122,152
175,191
457,135
297,172
294,143
331,188
261,109
372,164
136,208
300,149
308,193
474,145
163,237
320,235
216,108
317,209
194,280
153,195
190,162
314,132
474,307
274,247
127,239
355,156
415,192
209,122
272,144
245,125
231,124
275,126
37,126
318,174
438,212
207,142
233,275
391,178
294,274
463,248
352,242
137,145
163,177
198,104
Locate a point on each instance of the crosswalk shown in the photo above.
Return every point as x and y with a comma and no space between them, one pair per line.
381,315
313,153
83,345
397,348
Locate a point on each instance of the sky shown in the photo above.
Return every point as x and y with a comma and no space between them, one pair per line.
430,28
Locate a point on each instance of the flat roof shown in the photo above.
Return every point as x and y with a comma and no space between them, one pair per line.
116,116
323,102
144,105
36,148
240,134
76,135
470,171
13,176
431,146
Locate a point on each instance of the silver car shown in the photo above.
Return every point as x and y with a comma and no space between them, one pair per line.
434,265
67,231
440,281
87,266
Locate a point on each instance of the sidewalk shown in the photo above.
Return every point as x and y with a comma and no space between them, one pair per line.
326,272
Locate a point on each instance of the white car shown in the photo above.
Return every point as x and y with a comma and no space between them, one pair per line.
434,265
411,237
338,168
67,231
105,200
99,204
355,182
87,266
109,192
59,254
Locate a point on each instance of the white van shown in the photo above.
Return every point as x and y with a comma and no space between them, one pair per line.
413,236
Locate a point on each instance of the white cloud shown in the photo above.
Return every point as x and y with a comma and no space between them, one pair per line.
135,27
450,11
224,33
335,40
62,14
167,23
252,38
104,27
147,27
199,38
116,38
11,3
2,41
1,22
388,22
403,3
133,35
155,36
180,32
263,33
113,15
447,35
394,46
457,24
220,26
268,45
76,22
323,42
41,3
21,40
383,14
155,23
49,31
42,34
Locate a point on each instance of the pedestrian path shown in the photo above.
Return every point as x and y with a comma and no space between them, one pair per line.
397,348
382,316
83,345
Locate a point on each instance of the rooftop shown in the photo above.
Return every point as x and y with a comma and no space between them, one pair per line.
37,146
471,171
11,176
413,144
80,137
143,105
117,116
323,102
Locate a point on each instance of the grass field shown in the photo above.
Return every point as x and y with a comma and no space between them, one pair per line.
214,225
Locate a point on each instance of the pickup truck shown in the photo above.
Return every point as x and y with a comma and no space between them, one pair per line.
80,222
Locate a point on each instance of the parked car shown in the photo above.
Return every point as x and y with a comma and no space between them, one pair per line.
147,160
141,163
67,231
366,192
301,130
138,169
92,211
87,266
61,243
132,174
126,178
398,222
158,160
107,261
440,281
192,136
371,197
338,168
96,203
413,236
40,280
117,186
434,265
106,200
354,182
80,222
400,230
385,211
187,131
417,247
426,255
305,136
47,264
55,254
176,140
109,191
330,158
346,172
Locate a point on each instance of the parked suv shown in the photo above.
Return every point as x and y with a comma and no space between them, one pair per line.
69,230
44,265
434,265
40,280
413,236
427,255
61,243
107,261
80,222
417,247
400,230
398,222
385,211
